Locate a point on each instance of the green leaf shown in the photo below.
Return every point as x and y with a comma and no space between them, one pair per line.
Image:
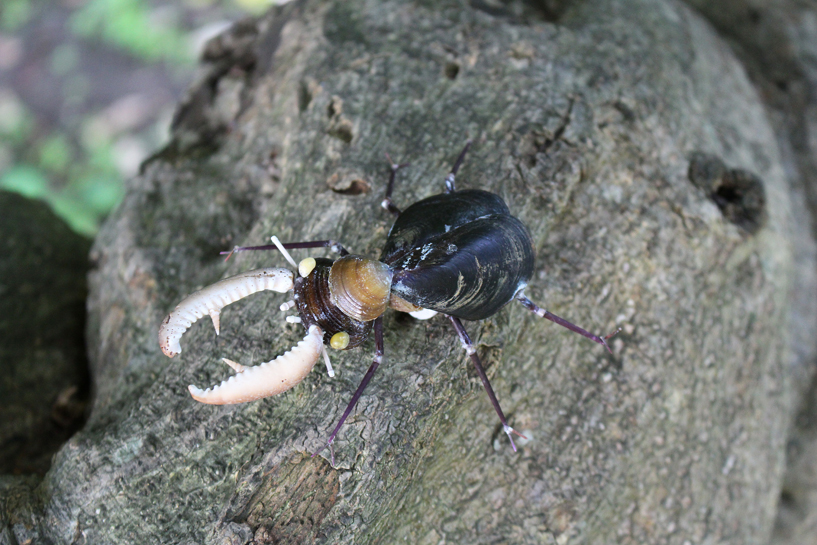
78,216
131,26
101,193
14,14
55,153
26,180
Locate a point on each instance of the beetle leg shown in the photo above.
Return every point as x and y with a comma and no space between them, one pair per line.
378,358
542,313
333,245
472,352
449,180
387,203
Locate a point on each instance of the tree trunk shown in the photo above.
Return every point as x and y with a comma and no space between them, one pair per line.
629,140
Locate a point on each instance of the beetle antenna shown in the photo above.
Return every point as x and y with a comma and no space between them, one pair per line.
387,203
378,358
333,245
472,352
542,313
449,180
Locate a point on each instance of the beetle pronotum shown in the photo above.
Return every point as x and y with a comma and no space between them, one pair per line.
459,253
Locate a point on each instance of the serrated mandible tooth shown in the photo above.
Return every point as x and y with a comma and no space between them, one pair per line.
269,378
213,298
214,315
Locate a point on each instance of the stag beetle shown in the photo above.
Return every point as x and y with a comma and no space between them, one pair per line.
460,253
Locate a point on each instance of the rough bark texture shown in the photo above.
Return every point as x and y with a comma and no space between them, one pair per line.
777,43
625,134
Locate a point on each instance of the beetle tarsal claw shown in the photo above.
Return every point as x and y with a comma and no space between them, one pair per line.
266,379
508,431
213,298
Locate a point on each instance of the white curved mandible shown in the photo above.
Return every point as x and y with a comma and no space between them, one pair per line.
213,298
266,379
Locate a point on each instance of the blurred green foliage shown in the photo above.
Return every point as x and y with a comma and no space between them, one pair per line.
14,14
77,168
134,27
81,182
26,180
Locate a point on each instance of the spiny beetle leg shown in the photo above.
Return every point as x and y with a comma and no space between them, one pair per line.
542,313
331,244
472,352
387,203
449,180
378,358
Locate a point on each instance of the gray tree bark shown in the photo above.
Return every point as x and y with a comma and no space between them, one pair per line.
629,139
776,43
